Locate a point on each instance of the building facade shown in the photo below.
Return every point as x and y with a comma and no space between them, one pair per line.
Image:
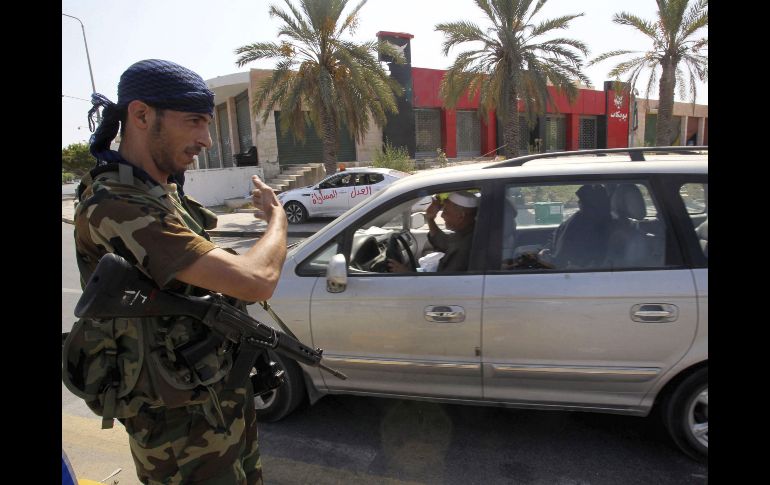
596,119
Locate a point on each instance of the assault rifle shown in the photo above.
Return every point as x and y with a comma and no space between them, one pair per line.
117,289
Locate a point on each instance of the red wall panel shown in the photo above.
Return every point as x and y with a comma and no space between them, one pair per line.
489,134
449,132
426,83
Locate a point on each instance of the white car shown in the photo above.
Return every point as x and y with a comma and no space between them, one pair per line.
585,289
336,193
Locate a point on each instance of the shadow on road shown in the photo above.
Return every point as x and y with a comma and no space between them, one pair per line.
377,440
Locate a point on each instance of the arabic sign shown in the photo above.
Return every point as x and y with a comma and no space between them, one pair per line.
320,197
617,119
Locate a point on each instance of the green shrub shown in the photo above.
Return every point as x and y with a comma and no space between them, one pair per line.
67,177
441,158
396,158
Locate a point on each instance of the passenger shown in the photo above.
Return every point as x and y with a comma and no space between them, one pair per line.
581,240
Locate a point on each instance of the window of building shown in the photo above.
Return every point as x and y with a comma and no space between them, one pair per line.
587,133
224,134
212,154
555,133
468,134
427,132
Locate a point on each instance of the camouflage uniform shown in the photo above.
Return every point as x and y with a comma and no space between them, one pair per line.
184,425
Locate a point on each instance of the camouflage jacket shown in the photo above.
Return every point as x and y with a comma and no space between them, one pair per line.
118,365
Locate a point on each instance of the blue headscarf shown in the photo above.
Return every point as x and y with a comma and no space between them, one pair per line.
161,84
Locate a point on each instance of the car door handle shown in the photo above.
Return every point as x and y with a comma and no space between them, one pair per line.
445,314
654,312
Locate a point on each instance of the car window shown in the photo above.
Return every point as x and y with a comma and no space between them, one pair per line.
402,232
317,263
590,225
695,198
339,180
375,178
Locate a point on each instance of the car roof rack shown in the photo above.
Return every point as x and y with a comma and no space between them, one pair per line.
636,154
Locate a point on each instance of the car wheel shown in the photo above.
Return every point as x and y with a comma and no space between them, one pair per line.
295,212
686,415
278,403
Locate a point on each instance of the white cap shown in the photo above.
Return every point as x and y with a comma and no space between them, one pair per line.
464,199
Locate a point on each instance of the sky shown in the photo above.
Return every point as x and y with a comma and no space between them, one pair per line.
203,34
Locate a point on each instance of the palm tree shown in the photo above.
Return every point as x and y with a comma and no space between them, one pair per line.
673,44
337,81
511,63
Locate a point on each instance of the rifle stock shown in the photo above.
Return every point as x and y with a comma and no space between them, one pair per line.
117,289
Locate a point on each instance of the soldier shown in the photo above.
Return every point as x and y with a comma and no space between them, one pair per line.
186,422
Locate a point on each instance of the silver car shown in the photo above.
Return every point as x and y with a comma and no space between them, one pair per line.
559,307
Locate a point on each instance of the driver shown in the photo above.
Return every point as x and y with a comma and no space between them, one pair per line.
459,216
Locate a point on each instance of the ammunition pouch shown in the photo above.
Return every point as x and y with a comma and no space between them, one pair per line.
119,365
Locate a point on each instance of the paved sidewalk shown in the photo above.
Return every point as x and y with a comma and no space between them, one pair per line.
230,224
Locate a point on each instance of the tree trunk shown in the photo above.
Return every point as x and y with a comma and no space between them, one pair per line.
511,129
665,132
329,128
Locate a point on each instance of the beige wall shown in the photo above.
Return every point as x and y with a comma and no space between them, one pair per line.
367,148
212,186
685,110
265,137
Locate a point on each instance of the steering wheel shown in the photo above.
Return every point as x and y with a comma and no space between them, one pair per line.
394,252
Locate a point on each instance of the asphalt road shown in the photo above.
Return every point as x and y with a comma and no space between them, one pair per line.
351,439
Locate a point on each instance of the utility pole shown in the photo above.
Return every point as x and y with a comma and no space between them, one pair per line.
88,58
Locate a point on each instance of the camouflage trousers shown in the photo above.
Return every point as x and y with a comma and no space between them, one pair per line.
189,445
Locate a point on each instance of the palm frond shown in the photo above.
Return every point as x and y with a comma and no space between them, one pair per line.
555,23
607,55
579,45
460,32
487,9
623,67
643,26
261,50
351,21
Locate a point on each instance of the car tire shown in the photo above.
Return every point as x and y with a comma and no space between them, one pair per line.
295,212
280,402
685,414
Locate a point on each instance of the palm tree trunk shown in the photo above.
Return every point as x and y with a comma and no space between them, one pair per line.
511,130
665,132
329,128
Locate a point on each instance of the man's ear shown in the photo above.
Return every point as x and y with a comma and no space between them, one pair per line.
138,114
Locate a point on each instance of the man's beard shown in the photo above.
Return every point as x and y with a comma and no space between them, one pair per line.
161,154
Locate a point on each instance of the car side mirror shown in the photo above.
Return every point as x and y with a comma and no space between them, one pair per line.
417,220
337,274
